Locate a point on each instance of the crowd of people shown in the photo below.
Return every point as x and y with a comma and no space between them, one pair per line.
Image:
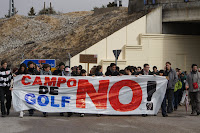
179,82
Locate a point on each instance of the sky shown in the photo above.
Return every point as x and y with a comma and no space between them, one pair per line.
64,6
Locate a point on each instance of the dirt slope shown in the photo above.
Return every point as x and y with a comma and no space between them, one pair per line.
53,37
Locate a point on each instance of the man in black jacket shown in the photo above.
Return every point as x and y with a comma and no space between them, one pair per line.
112,70
145,70
155,70
31,71
61,70
5,91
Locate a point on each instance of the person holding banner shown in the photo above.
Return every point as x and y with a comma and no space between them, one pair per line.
139,69
163,105
155,70
111,71
128,70
45,71
121,72
145,71
83,73
99,71
22,71
32,68
32,71
61,72
5,91
192,82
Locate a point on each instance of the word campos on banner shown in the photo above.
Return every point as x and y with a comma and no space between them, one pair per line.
89,94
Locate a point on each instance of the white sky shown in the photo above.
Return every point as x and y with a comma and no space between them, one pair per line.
23,6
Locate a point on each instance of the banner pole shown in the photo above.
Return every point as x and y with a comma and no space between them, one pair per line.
88,68
116,58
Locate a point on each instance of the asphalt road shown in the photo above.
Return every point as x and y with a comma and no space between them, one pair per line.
178,122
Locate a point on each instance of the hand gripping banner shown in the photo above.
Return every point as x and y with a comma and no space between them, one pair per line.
122,95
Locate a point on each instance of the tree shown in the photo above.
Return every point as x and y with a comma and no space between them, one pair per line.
47,11
31,12
103,6
111,4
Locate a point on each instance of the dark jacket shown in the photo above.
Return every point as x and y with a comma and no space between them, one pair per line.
73,73
21,73
59,73
111,73
33,71
183,80
156,73
98,74
134,73
142,73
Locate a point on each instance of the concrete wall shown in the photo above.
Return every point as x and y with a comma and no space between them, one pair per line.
181,51
134,30
128,35
99,48
154,21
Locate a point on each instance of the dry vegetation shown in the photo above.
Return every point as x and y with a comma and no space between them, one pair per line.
53,37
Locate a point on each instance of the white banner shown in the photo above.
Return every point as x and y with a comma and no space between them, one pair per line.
122,95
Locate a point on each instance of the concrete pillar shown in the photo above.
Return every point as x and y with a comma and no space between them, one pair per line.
44,6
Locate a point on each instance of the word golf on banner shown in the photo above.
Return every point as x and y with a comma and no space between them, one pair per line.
123,95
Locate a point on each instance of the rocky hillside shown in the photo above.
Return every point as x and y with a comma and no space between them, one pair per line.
52,37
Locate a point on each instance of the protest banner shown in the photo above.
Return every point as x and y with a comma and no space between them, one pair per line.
122,95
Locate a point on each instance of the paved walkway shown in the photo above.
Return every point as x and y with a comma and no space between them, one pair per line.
178,122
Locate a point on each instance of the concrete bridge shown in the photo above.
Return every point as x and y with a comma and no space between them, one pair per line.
173,10
176,14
